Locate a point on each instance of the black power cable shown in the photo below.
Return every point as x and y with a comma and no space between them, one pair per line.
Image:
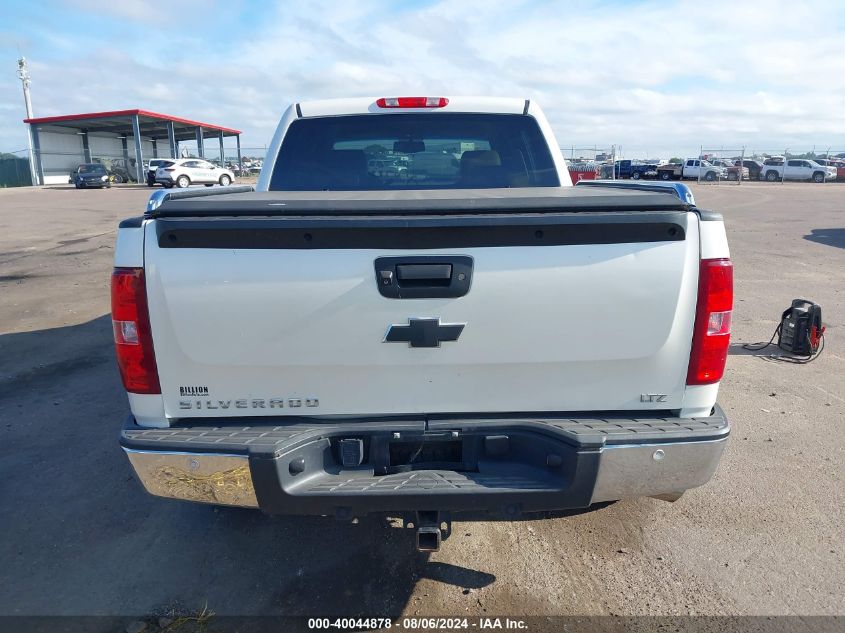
797,360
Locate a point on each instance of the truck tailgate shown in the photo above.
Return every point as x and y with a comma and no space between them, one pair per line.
284,316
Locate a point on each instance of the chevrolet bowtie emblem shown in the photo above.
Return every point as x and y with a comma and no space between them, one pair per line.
424,332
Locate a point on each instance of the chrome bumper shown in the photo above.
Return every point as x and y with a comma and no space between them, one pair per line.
653,470
203,477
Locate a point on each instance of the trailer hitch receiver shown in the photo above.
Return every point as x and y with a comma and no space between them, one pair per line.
432,527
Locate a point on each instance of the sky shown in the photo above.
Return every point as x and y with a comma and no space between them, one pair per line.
656,78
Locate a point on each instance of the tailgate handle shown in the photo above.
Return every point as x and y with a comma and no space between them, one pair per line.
415,273
423,277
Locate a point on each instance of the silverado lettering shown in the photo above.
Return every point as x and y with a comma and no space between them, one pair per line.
255,403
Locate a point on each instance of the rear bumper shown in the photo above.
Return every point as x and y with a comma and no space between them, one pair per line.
504,466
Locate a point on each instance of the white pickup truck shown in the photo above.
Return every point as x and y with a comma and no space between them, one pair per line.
470,333
692,168
774,170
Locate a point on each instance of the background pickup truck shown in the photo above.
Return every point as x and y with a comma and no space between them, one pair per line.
635,171
488,338
691,168
797,169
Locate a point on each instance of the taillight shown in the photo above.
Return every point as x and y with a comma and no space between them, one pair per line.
412,102
132,337
712,332
169,169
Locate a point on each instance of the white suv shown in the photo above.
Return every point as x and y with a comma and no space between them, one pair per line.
188,171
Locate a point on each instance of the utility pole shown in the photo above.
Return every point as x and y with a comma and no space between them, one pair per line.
23,73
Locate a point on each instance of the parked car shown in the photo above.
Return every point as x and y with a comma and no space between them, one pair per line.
343,343
153,166
691,168
90,176
755,168
191,171
797,169
830,162
837,163
733,170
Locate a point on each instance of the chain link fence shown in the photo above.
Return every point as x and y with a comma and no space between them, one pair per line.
584,163
711,165
14,169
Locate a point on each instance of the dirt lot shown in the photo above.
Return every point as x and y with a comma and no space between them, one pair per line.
80,536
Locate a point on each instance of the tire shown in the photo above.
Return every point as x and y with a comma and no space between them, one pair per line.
710,176
635,175
183,181
225,181
168,185
665,175
818,177
118,179
771,176
77,185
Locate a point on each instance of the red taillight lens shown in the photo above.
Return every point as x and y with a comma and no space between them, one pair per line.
132,338
412,102
712,333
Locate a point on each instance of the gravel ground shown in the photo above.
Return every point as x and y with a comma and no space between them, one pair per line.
765,537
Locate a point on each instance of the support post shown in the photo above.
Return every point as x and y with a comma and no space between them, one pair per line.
240,160
171,139
200,148
139,156
222,156
36,156
155,148
86,149
124,143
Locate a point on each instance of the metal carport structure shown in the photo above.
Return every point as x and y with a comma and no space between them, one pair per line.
127,135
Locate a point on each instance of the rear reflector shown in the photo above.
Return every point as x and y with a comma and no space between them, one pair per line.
132,336
712,332
412,102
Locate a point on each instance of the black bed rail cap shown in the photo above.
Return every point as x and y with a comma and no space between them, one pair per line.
161,196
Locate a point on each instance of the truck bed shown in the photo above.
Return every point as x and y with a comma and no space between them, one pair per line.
262,298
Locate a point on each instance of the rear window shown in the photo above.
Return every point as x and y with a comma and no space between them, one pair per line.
413,151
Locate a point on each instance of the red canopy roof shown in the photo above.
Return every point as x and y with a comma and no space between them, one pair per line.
142,114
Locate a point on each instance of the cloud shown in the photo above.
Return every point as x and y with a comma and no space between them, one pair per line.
656,78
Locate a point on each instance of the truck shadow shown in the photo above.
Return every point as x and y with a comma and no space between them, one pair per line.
828,237
81,536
